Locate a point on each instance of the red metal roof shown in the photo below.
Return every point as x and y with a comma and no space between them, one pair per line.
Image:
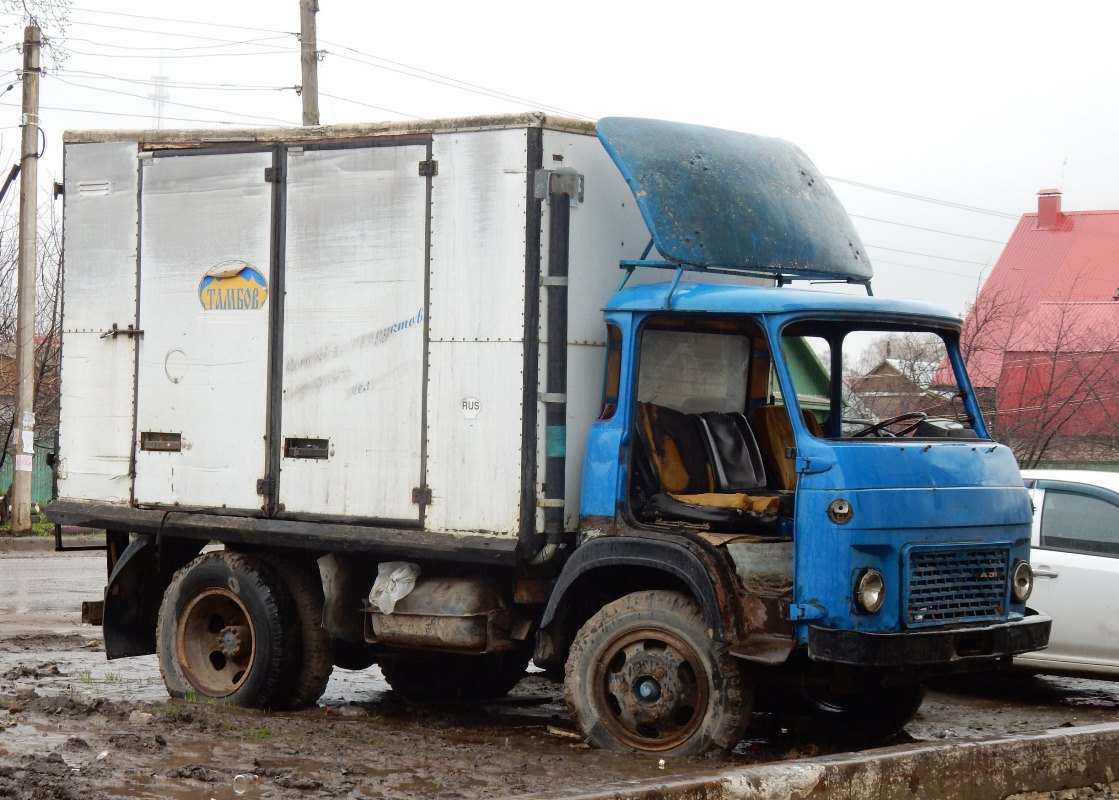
1076,260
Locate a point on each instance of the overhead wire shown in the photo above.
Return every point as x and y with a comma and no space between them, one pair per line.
251,42
134,116
923,198
368,105
171,102
179,21
445,80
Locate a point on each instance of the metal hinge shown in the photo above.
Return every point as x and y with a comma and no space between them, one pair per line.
421,496
429,168
115,331
266,487
274,174
807,611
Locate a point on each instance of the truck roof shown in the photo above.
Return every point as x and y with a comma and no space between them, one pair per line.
722,298
199,137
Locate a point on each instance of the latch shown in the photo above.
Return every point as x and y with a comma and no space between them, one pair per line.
811,610
421,496
266,487
274,174
429,168
114,332
811,464
564,180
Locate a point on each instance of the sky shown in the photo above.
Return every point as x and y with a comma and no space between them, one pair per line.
936,123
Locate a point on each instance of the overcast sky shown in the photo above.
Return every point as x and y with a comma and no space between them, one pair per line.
936,122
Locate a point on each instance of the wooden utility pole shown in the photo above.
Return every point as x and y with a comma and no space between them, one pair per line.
309,59
23,431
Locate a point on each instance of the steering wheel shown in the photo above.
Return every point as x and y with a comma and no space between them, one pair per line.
879,428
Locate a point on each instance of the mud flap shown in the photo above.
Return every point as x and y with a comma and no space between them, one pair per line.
135,590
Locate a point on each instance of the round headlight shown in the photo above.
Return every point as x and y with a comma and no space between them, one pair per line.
870,590
1021,581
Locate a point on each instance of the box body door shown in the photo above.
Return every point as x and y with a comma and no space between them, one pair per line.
205,232
353,338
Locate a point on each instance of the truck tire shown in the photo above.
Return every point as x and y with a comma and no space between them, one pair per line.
228,632
644,675
863,719
452,677
317,655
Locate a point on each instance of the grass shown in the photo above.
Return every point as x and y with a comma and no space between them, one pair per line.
43,528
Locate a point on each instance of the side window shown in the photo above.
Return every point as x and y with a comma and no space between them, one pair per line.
1080,522
691,371
613,376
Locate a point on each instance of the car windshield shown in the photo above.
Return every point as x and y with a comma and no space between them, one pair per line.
875,381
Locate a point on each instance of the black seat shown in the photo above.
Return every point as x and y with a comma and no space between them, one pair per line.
705,468
736,459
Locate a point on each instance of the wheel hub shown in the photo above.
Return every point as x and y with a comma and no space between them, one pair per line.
216,642
653,688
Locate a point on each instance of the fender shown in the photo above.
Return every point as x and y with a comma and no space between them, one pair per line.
697,569
135,591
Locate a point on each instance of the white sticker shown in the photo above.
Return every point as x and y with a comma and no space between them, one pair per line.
471,407
28,441
23,463
29,419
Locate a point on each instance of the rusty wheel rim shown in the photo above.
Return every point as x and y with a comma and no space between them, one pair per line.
651,689
216,642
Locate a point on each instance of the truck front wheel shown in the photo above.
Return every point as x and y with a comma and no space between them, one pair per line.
643,674
228,632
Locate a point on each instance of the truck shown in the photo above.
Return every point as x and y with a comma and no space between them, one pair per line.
451,396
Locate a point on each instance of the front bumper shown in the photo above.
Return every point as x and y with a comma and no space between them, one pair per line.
911,648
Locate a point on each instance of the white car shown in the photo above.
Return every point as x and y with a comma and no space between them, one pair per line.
1074,552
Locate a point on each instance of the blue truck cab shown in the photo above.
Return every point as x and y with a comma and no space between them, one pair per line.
833,563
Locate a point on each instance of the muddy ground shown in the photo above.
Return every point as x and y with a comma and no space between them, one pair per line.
73,725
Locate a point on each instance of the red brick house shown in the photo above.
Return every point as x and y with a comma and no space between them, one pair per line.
1042,338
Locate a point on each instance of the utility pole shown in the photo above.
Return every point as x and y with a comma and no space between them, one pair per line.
309,59
23,431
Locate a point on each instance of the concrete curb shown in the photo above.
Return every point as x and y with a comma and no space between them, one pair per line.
978,769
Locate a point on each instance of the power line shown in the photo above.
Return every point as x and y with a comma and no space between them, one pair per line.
190,85
170,102
936,270
196,55
453,83
135,116
179,21
368,105
280,35
929,255
930,230
252,42
924,199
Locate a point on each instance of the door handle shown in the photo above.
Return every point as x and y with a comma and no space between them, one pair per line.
1045,572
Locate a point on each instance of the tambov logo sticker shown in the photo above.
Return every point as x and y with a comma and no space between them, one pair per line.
233,286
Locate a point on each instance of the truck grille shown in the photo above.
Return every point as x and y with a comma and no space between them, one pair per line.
955,585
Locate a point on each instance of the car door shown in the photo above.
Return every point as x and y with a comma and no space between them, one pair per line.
1075,557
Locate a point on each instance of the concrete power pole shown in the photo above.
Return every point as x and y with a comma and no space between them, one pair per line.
309,59
23,431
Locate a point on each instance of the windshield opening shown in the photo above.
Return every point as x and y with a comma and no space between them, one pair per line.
880,381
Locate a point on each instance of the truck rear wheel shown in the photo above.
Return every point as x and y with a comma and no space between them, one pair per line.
643,674
227,632
316,652
449,677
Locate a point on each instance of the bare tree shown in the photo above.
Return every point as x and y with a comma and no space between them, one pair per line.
1048,375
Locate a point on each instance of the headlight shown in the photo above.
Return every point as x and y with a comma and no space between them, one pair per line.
870,590
1021,581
